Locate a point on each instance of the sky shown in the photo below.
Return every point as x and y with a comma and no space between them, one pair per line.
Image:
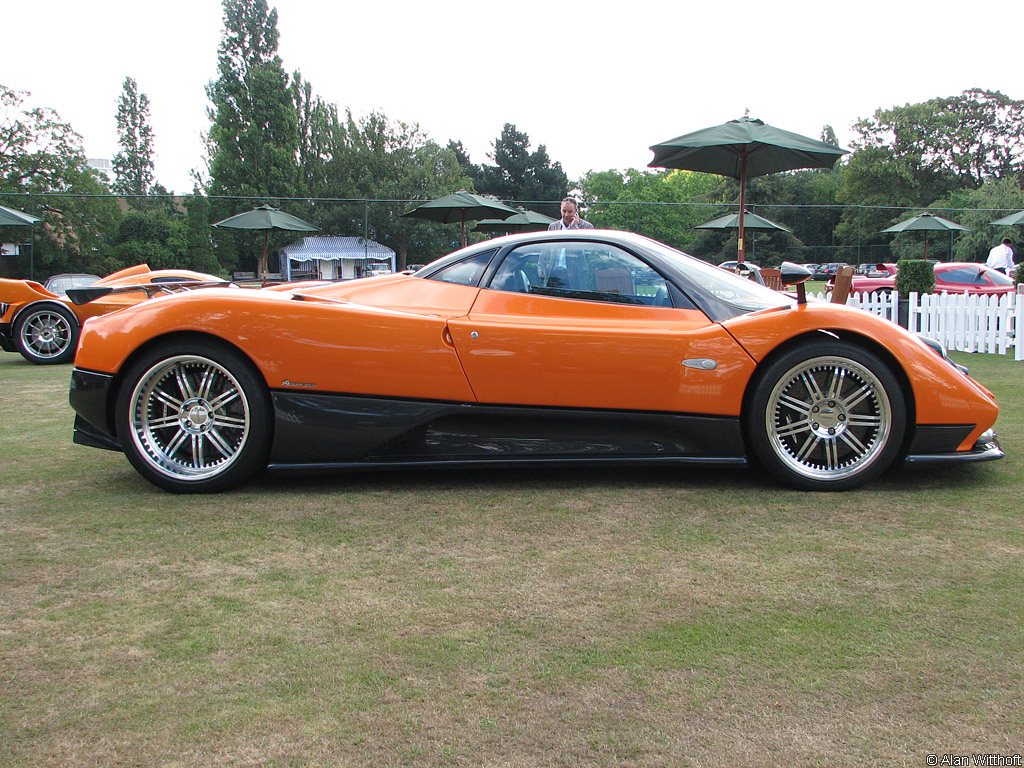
596,82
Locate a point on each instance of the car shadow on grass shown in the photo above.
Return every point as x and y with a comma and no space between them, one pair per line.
535,478
736,479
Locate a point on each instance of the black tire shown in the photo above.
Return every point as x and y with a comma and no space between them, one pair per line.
46,334
826,416
194,417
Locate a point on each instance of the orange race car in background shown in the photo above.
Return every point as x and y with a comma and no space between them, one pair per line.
571,348
42,323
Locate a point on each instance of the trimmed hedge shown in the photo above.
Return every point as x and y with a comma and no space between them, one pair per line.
915,276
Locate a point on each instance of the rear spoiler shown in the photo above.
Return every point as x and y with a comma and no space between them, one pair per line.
85,295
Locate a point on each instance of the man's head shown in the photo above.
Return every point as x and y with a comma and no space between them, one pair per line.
569,209
1006,241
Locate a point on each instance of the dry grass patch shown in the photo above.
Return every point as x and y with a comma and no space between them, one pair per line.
650,618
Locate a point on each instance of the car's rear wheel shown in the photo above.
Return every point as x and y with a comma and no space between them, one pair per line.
47,334
194,417
827,416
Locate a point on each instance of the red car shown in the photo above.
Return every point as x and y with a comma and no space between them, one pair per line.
951,277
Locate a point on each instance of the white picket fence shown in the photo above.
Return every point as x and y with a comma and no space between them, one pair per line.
964,322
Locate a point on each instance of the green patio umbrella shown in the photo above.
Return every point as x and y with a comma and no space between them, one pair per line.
750,221
13,217
9,216
266,218
742,149
461,206
928,222
1009,221
524,221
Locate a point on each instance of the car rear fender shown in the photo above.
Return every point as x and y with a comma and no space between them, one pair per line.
118,378
22,291
36,305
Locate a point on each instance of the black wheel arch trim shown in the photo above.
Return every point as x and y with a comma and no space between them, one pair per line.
32,306
94,393
869,345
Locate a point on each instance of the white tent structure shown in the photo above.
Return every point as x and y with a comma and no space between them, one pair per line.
333,258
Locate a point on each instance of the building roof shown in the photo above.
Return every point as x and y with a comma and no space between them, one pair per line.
333,248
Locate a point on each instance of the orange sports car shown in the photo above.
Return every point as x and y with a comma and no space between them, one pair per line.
561,348
42,322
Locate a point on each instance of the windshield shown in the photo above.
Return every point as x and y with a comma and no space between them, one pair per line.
739,292
59,284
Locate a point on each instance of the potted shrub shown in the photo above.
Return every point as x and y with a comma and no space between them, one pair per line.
913,276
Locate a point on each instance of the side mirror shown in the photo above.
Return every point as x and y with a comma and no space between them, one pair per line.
795,274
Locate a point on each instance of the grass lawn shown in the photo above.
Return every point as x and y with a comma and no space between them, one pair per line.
496,618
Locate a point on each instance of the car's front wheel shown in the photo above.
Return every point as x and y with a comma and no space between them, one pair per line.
46,334
194,417
827,416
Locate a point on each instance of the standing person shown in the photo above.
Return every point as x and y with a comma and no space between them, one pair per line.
570,217
1000,258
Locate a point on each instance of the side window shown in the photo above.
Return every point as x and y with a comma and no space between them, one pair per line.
582,271
965,275
466,272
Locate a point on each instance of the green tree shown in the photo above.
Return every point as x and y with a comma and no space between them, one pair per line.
914,156
876,188
925,149
42,162
381,160
38,150
519,174
133,165
76,235
319,131
156,237
976,209
253,142
804,201
664,205
199,243
469,168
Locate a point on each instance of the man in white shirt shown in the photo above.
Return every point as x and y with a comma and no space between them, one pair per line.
1000,258
570,217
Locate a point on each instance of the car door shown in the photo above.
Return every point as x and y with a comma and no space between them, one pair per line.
587,325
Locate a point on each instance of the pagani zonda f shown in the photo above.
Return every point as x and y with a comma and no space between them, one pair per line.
561,348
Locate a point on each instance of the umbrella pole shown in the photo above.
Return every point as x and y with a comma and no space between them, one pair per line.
263,261
462,217
741,251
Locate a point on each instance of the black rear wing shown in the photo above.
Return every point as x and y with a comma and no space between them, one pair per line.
85,295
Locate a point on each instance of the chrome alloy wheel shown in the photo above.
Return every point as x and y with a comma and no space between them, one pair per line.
45,334
190,417
828,418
